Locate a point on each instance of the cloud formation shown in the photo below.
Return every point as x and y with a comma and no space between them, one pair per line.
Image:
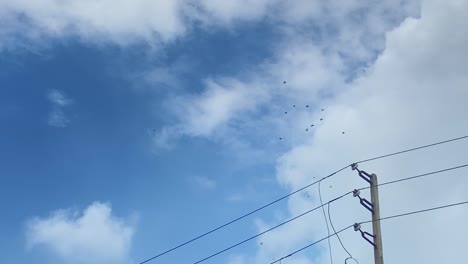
125,22
89,237
414,93
57,117
389,84
317,61
95,21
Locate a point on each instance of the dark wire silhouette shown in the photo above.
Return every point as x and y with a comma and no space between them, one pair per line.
241,217
413,149
309,245
417,176
290,194
339,239
416,212
383,184
303,214
370,221
326,222
270,229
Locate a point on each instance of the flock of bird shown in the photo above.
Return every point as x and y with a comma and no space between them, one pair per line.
307,129
312,125
286,112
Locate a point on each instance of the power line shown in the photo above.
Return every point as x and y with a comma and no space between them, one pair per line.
418,176
370,221
309,245
290,194
241,217
339,239
305,213
417,212
382,184
413,149
326,223
270,229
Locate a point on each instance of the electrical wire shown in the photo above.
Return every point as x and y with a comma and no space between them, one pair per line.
309,245
383,184
370,221
241,217
346,259
413,149
326,223
418,176
290,194
270,229
416,212
309,211
339,239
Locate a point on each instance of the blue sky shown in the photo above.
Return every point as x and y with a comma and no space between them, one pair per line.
104,153
130,127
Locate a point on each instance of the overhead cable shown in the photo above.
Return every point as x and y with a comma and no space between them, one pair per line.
292,193
305,213
370,221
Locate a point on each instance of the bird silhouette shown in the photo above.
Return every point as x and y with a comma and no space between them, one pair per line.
294,105
284,82
342,132
280,138
321,119
307,105
307,129
312,125
285,112
323,109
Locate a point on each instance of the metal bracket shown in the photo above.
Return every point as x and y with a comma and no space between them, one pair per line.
364,202
357,227
366,176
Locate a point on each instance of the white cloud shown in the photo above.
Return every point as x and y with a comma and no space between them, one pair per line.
203,182
118,21
58,98
222,101
57,117
315,65
214,110
122,22
413,94
125,22
91,237
231,11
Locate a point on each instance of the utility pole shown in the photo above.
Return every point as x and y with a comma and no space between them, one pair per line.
378,250
374,207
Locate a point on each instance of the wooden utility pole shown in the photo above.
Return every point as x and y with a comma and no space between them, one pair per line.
374,207
378,251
